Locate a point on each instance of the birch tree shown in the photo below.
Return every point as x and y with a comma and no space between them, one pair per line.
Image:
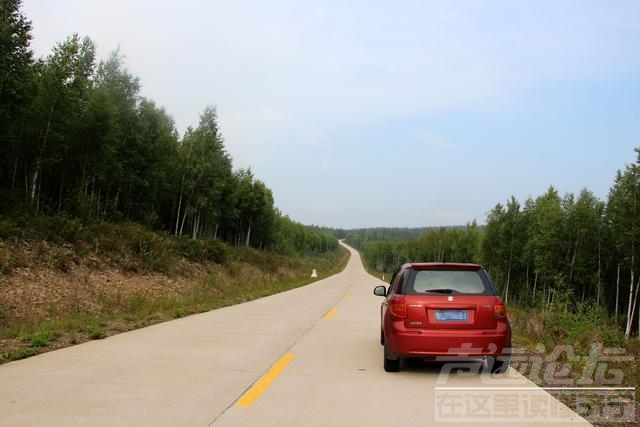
623,209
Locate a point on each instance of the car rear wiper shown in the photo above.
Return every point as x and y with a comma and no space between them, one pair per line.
440,291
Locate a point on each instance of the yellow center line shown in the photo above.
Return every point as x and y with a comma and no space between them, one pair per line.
353,279
330,314
254,392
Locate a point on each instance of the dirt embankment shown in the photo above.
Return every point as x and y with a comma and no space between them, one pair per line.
53,295
46,282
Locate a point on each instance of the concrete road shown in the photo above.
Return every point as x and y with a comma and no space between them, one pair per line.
310,356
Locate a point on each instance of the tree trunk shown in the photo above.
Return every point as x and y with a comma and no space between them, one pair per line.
26,180
598,282
196,225
34,181
98,199
248,236
615,317
45,137
14,174
535,284
184,217
506,288
178,214
115,201
60,198
573,258
638,286
627,330
635,303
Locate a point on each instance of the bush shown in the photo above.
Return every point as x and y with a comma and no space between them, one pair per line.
94,330
21,353
8,229
97,333
58,229
41,338
206,249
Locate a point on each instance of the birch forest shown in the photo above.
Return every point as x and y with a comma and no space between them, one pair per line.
565,253
77,138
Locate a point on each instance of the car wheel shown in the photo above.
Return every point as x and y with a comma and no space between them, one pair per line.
391,362
381,337
500,365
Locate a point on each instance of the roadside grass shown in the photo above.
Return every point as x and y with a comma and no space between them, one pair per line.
542,331
577,349
233,276
61,242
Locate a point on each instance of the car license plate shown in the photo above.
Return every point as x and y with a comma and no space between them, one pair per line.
452,316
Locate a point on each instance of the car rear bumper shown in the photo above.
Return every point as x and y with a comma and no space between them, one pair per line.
403,342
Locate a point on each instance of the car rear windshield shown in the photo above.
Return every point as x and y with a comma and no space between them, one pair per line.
448,282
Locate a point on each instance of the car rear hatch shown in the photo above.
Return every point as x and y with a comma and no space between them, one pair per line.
452,311
451,296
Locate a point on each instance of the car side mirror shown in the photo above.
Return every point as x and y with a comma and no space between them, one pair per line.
380,291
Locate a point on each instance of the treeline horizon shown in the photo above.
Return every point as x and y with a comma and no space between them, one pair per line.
77,137
570,254
358,235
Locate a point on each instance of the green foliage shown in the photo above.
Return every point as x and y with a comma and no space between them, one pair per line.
16,85
88,146
553,328
293,238
18,354
96,332
557,254
453,244
41,338
204,249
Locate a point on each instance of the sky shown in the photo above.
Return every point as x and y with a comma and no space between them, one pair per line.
387,114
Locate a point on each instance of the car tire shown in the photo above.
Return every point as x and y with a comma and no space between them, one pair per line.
391,363
499,365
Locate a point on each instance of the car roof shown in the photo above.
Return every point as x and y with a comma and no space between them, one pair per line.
441,266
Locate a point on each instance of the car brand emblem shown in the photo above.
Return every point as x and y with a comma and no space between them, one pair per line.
450,298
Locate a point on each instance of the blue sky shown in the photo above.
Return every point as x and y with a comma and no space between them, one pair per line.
367,113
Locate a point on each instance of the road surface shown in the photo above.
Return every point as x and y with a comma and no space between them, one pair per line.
310,356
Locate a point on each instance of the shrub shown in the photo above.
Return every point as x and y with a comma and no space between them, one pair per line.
94,330
58,229
62,262
21,353
8,229
206,249
41,338
97,333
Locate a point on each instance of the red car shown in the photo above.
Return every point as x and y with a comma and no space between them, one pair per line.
436,311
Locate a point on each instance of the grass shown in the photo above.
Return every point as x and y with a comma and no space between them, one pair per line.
61,241
17,354
245,275
540,332
41,338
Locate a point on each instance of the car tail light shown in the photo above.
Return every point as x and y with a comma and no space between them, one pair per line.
398,307
499,312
